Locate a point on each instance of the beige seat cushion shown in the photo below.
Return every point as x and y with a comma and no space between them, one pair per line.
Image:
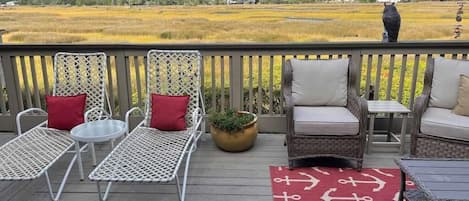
319,82
324,121
462,106
443,123
445,82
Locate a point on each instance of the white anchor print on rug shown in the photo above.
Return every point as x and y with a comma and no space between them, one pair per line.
335,184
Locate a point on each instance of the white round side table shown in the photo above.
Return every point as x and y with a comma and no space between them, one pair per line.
96,131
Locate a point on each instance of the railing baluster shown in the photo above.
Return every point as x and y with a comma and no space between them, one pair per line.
402,77
259,87
37,101
464,56
110,85
45,76
368,76
390,77
414,80
214,95
3,108
138,81
378,77
222,83
26,83
251,101
281,85
202,76
271,86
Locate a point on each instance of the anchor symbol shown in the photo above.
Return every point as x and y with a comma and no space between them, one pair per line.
382,173
327,197
287,180
354,183
396,197
321,171
287,197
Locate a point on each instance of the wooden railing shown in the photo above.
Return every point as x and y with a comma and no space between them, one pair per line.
241,76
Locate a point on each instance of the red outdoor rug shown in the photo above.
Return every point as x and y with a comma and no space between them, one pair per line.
335,184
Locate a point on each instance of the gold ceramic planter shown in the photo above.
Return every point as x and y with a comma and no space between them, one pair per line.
237,141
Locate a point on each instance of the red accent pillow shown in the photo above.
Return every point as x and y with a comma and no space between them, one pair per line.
168,112
65,112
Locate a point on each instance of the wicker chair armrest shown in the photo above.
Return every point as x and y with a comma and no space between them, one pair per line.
288,107
358,106
421,104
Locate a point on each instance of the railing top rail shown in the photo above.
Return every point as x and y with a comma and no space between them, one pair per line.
240,46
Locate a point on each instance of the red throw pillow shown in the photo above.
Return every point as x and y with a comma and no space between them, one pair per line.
168,112
65,112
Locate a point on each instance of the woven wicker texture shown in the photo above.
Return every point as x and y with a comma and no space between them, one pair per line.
27,156
77,73
174,73
146,155
312,146
427,146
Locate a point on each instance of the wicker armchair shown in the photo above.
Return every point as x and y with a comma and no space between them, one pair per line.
320,143
442,144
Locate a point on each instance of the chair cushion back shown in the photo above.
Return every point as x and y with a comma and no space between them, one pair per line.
445,81
320,82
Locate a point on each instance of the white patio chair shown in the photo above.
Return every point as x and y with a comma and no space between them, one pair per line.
148,154
32,153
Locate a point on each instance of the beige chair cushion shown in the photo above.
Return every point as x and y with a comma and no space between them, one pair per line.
462,106
324,121
319,82
443,123
445,82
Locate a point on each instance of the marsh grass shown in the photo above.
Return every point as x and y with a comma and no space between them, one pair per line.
240,23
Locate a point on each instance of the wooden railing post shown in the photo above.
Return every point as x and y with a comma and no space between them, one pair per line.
2,80
357,67
236,81
13,90
123,85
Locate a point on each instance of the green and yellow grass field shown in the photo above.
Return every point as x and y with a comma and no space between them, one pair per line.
239,23
223,23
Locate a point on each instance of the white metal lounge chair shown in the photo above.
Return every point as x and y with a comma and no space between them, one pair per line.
30,155
152,155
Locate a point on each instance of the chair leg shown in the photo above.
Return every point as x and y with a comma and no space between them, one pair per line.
186,172
106,192
359,165
62,184
291,164
178,187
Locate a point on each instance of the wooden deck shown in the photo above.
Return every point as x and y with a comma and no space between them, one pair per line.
214,175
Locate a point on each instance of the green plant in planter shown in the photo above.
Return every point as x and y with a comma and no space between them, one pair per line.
230,121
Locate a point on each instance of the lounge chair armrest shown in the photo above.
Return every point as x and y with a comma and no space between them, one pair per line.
22,113
103,112
197,119
128,113
288,107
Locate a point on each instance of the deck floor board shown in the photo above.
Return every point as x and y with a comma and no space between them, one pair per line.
214,175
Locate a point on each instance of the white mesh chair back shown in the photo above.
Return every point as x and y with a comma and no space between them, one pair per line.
79,73
174,73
